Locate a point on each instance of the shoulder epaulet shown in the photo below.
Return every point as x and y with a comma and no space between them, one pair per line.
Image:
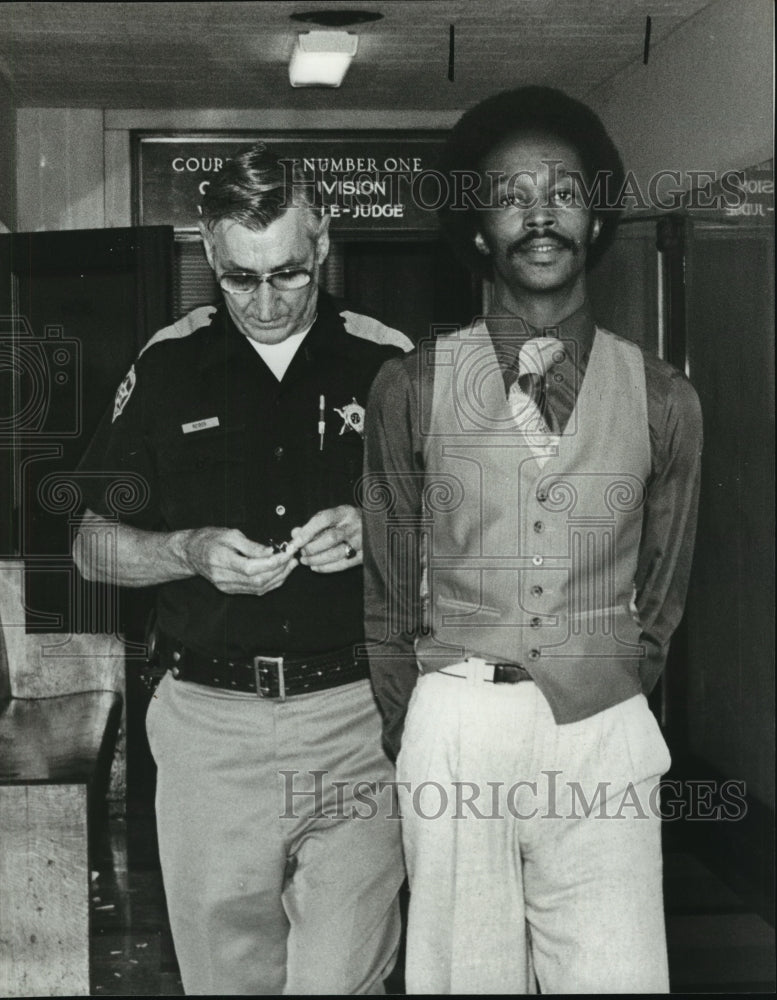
367,328
184,326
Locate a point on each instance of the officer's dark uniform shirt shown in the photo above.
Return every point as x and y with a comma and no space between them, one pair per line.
209,436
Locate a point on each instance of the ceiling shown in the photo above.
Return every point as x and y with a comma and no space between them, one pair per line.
235,55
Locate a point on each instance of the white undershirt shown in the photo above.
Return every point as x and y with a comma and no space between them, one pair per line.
278,357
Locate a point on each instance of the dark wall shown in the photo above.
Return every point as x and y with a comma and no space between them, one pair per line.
731,602
409,285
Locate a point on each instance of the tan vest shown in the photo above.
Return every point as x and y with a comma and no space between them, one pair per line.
533,562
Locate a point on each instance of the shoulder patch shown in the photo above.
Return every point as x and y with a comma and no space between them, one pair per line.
367,328
184,326
124,392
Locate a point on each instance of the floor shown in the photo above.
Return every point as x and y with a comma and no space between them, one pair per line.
718,943
131,949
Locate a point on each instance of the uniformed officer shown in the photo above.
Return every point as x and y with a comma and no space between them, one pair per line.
226,476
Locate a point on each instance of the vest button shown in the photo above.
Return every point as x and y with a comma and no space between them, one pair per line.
536,590
280,510
286,625
535,622
278,452
534,654
176,672
538,527
537,560
176,656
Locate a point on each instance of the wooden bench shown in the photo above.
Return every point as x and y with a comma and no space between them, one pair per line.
60,716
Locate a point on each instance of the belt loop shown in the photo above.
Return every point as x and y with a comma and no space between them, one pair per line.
479,670
472,670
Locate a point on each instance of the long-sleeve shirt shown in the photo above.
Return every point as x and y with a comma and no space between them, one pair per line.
394,448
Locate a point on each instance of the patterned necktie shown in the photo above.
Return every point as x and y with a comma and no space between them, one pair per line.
526,395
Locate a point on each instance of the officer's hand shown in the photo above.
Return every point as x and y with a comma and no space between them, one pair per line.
233,563
331,541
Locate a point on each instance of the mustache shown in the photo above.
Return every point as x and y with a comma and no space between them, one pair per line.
549,236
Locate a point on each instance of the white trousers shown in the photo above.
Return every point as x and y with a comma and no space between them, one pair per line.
532,848
278,880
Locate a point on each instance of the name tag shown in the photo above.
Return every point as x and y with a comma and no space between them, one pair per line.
200,425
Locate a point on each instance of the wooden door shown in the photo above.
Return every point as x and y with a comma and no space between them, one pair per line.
75,308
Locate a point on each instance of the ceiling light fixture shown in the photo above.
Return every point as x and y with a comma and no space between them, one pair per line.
336,18
321,58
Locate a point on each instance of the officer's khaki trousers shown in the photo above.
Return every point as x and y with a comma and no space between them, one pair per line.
273,883
508,875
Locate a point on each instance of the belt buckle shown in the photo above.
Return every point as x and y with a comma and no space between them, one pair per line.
277,662
501,673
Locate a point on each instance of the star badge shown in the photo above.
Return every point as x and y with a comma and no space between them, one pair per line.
353,417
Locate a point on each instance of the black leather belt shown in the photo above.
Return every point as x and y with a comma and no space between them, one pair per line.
510,673
504,673
266,676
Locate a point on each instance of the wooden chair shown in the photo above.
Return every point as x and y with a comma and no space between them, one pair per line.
61,700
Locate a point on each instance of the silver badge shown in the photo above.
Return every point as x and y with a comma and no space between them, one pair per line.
353,417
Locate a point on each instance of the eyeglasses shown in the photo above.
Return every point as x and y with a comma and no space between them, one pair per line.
246,282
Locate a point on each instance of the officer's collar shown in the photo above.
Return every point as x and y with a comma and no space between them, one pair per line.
327,336
579,327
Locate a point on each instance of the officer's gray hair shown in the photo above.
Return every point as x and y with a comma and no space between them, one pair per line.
255,187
